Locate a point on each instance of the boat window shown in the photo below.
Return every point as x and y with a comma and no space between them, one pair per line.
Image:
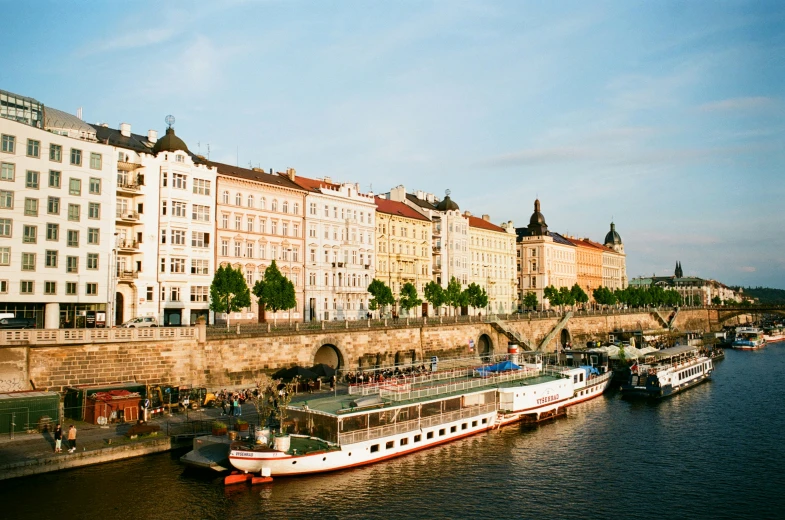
464,426
485,421
581,376
430,435
453,429
404,441
417,438
474,423
374,448
390,445
441,432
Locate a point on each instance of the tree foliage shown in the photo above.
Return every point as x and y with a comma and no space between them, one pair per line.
434,294
530,300
382,295
454,296
408,299
604,296
476,296
229,292
552,294
578,294
274,291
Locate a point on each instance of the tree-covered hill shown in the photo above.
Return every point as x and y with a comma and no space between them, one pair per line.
765,295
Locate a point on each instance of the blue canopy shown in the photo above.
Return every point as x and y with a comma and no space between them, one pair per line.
502,366
590,370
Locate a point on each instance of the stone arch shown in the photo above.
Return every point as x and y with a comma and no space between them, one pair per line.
329,353
485,346
565,337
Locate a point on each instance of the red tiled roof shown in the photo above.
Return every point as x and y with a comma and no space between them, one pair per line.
476,222
392,207
252,175
585,242
313,184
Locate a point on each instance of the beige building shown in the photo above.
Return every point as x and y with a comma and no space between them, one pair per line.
260,217
403,247
614,261
492,251
589,264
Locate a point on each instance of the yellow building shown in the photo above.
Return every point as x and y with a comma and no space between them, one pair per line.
589,264
492,252
403,246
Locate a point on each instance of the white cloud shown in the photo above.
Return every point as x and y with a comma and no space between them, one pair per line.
747,269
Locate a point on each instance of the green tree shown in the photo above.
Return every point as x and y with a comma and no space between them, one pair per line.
408,298
382,295
454,296
578,294
229,292
551,294
274,291
716,300
476,296
566,297
530,300
434,294
604,296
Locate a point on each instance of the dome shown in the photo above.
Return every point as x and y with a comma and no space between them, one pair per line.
538,219
447,204
169,143
612,238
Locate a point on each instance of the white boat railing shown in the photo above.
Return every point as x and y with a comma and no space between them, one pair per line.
406,392
427,377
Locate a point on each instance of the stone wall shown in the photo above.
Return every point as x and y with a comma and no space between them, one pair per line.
236,361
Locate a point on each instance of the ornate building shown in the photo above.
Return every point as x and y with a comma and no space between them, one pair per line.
614,261
493,253
589,264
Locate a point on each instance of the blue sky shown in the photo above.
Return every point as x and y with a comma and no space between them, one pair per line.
667,117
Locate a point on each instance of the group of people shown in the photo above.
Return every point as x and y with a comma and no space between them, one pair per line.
231,402
379,376
71,438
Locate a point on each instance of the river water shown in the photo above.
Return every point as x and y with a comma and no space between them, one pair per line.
715,451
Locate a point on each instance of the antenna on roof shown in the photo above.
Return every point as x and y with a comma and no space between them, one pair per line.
169,120
208,151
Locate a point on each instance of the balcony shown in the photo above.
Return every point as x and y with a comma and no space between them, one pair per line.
127,187
127,245
127,276
127,215
436,269
128,166
437,249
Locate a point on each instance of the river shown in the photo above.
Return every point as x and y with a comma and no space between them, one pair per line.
715,451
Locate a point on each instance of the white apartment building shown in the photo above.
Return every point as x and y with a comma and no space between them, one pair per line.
339,249
493,267
56,230
614,261
260,218
165,211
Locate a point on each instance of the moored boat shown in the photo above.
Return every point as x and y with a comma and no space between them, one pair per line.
748,338
668,372
774,334
415,412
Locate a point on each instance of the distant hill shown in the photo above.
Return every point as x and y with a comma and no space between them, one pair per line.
766,295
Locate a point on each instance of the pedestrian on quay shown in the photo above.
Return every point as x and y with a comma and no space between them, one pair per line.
58,439
237,410
230,398
72,439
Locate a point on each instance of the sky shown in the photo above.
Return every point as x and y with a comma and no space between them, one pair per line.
667,118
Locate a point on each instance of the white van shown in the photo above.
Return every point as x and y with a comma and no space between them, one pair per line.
141,321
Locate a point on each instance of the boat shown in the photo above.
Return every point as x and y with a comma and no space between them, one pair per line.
667,372
381,420
774,334
748,338
209,452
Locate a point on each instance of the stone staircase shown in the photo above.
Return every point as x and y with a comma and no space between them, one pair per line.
512,335
552,334
661,318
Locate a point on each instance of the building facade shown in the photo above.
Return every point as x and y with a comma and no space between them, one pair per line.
56,226
403,247
614,261
260,218
493,267
588,265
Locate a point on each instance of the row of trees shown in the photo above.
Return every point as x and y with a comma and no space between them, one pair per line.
229,292
438,296
631,296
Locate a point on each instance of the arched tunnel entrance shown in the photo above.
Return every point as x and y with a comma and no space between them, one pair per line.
564,338
329,355
485,347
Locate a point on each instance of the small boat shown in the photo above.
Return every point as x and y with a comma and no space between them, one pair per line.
748,338
774,334
209,452
668,372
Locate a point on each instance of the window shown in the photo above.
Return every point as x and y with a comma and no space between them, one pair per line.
295,230
224,248
94,210
93,236
237,248
249,224
9,143
249,249
95,161
5,255
226,197
3,286
274,205
249,276
179,209
374,448
76,157
7,171
285,206
238,222
225,221
179,158
178,181
273,227
30,234
95,186
6,199
70,288
149,292
91,289
72,264
50,258
312,231
200,213
28,261
178,237
199,293
201,187
429,435
163,265
53,232
163,236
199,266
200,239
262,203
31,180
31,207
312,208
74,212
164,179
26,287
175,294
163,207
417,438
285,229
50,287
249,200
73,238
74,186
54,179
55,152
177,265
92,261
404,441
296,208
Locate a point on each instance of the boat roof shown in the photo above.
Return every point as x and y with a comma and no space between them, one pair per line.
673,351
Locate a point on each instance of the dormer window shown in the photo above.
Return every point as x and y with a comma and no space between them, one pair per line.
179,158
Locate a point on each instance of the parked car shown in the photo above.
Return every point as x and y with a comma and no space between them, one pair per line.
141,321
17,323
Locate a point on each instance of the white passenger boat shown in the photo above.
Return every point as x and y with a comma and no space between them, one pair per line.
413,413
748,338
774,334
667,372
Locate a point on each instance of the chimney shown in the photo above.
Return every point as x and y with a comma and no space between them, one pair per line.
467,213
271,171
328,180
420,194
152,135
398,193
430,198
125,129
260,170
291,172
486,218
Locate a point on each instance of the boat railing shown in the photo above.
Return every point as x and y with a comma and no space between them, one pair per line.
414,424
428,377
405,392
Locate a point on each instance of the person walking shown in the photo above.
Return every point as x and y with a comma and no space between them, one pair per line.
237,410
58,439
72,439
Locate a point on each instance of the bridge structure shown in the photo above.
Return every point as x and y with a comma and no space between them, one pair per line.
721,314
